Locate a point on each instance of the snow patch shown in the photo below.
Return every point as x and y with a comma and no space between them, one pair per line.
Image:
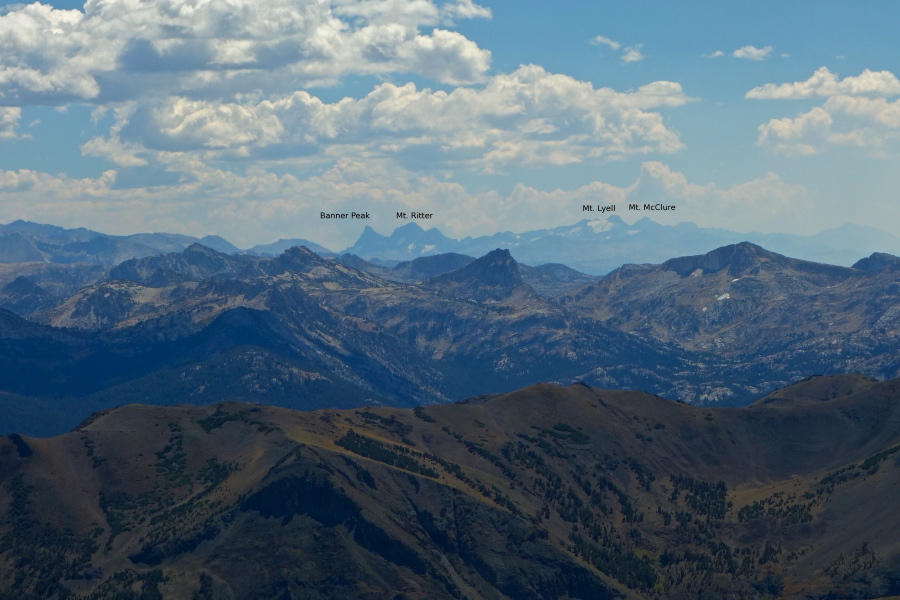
633,231
428,248
600,225
410,247
724,296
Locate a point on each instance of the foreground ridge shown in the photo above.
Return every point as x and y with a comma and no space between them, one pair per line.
547,492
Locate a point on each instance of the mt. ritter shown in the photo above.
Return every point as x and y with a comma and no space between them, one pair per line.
303,331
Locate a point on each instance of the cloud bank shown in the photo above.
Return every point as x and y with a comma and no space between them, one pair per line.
261,206
130,49
856,114
527,117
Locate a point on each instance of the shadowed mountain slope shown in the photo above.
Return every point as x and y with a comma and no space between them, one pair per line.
876,262
277,248
492,278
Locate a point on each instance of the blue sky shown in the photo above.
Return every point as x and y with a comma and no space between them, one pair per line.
247,119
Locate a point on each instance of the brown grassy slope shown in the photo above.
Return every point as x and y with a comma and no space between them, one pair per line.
547,492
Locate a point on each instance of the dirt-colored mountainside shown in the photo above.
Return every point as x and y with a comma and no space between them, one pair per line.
544,493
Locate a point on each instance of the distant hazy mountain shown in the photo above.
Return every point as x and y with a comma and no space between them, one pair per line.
599,246
589,246
545,493
219,244
276,248
409,271
427,267
405,243
23,241
51,234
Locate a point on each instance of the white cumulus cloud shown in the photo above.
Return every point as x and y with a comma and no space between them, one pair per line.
856,114
747,206
9,121
869,124
127,49
529,116
824,83
752,52
632,54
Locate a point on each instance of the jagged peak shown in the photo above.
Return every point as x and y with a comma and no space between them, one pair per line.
498,255
299,259
411,226
493,276
497,265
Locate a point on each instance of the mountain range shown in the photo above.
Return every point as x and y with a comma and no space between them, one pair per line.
303,331
298,330
600,245
546,493
593,246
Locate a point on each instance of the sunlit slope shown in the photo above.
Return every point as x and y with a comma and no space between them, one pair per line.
546,492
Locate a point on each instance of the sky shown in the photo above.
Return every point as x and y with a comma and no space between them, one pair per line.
249,118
